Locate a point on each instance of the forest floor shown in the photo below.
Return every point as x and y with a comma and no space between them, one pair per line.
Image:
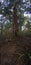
12,50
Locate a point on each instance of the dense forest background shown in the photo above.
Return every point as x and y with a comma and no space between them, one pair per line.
23,17
15,32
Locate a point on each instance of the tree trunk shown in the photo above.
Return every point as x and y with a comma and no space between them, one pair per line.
15,20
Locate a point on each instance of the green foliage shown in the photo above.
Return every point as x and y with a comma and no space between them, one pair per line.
9,12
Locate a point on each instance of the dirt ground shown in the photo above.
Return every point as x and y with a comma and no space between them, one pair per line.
10,51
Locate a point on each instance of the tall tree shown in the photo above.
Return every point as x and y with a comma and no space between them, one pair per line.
15,18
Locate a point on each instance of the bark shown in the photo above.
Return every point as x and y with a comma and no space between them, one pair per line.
15,19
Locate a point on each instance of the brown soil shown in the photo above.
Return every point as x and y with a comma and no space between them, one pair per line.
10,51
